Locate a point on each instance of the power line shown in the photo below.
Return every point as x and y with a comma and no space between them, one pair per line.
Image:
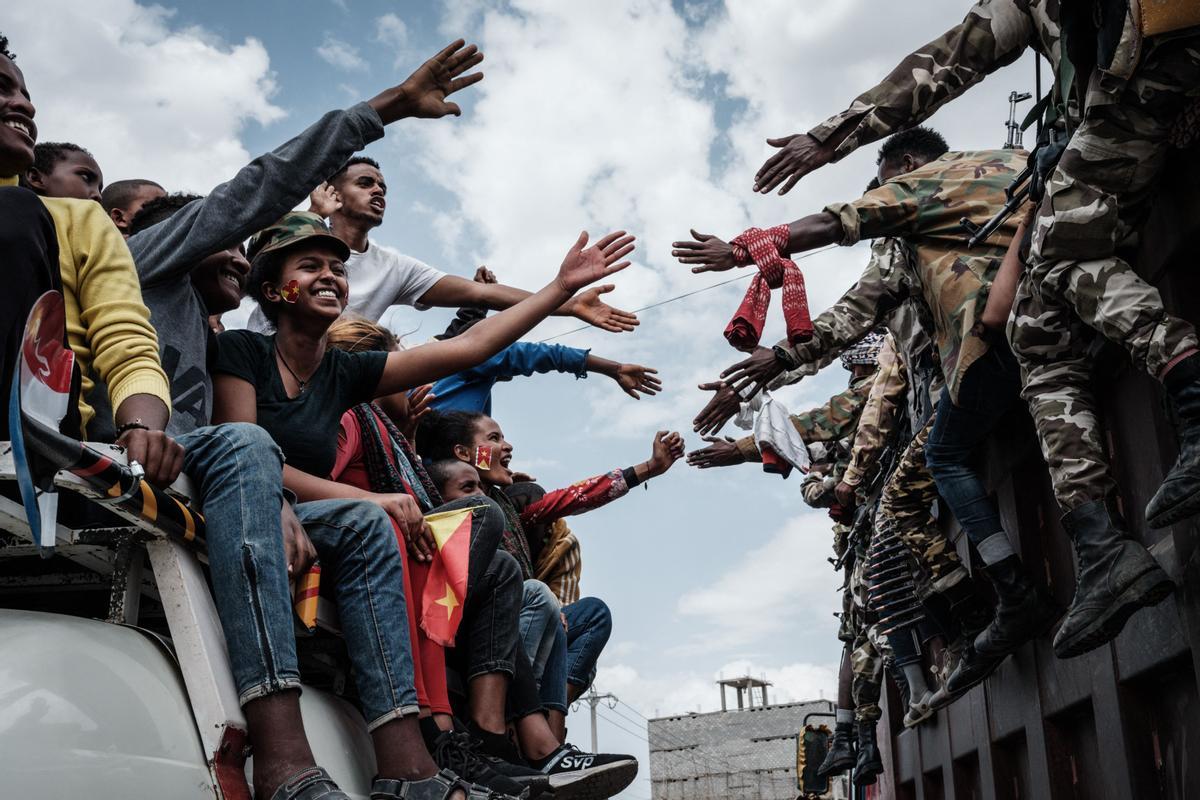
743,277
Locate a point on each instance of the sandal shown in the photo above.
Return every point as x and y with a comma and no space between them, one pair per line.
310,783
437,787
918,711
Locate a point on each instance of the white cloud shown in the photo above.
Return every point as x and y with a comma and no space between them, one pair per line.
390,29
785,584
340,54
169,102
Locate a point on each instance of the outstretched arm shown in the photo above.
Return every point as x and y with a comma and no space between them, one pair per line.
430,362
711,254
451,291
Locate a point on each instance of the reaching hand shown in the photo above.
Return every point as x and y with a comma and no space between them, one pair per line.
589,308
798,155
633,378
324,200
297,547
754,373
419,400
719,453
844,493
601,260
713,254
423,94
484,275
719,410
668,448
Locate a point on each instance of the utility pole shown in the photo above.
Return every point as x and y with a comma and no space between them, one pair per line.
593,700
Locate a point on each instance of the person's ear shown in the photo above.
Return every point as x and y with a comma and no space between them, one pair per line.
271,292
462,453
117,215
34,178
910,163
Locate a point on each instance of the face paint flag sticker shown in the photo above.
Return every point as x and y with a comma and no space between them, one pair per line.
41,391
483,458
446,586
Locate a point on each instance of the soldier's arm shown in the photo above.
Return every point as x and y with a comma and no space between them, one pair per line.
993,34
879,415
836,418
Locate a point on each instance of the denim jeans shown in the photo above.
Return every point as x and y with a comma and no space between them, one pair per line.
239,471
589,624
545,643
991,386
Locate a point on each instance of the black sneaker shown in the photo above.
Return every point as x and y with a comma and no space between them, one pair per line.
576,775
457,752
525,775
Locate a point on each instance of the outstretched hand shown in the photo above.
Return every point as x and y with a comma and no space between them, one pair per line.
484,275
719,410
581,267
667,449
634,378
589,308
711,253
798,155
719,453
324,200
754,373
423,94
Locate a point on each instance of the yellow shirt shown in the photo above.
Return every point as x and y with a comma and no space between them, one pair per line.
108,325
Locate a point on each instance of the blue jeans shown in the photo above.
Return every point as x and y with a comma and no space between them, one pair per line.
589,624
990,388
545,643
238,469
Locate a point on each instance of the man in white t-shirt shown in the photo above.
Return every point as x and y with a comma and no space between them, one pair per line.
354,200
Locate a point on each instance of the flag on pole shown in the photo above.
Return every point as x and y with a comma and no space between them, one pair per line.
41,391
446,587
304,598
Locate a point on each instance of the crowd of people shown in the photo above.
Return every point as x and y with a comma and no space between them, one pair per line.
316,436
944,336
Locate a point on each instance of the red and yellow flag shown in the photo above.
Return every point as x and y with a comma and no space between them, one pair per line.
304,598
446,587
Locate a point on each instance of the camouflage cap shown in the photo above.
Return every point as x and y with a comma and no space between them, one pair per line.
293,228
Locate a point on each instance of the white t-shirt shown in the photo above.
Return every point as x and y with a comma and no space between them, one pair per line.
379,277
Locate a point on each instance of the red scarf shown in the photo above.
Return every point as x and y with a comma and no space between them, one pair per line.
762,247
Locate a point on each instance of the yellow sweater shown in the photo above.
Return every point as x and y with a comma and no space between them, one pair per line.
108,325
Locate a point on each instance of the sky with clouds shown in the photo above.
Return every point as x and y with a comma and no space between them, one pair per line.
639,114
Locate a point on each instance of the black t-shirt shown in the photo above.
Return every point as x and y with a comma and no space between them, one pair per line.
306,426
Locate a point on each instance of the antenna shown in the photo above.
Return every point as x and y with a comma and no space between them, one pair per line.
1013,140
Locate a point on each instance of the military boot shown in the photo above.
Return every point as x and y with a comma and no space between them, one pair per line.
1022,612
1179,496
869,763
841,751
1115,577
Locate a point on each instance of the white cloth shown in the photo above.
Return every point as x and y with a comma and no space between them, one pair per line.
773,428
379,278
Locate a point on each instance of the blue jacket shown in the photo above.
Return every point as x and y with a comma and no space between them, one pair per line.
471,389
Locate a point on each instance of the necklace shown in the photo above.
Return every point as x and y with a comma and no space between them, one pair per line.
303,384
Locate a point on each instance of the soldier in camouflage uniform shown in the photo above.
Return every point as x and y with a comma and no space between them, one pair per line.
922,199
1123,96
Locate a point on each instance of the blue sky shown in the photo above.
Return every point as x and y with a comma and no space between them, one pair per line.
628,113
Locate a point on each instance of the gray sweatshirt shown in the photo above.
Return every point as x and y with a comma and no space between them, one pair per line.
262,192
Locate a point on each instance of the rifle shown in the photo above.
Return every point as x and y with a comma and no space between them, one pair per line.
1029,184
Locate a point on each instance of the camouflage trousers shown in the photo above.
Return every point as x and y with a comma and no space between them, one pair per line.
1077,287
864,644
906,507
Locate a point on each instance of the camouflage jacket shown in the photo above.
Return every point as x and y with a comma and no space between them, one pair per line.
994,34
830,422
880,414
924,207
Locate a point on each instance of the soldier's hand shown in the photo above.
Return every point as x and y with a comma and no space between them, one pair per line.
844,493
754,373
711,253
719,453
798,155
723,405
423,94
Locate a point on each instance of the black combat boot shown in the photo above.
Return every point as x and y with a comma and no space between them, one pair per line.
1022,612
869,763
1179,496
1114,578
841,751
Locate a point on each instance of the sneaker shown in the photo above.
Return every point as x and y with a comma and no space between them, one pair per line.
576,775
458,753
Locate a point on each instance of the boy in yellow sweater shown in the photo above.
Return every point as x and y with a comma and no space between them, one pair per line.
108,325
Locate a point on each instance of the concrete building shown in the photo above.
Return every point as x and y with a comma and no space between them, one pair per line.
748,753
